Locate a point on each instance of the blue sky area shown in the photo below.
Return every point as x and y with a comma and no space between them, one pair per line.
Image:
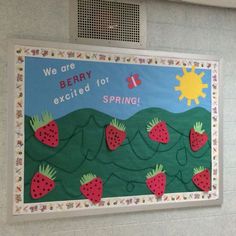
43,93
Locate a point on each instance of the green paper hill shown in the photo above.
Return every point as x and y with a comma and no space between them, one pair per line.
82,149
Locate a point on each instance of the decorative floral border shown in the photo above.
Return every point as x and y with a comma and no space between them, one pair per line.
20,208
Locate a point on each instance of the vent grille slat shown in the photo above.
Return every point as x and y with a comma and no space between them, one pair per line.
108,20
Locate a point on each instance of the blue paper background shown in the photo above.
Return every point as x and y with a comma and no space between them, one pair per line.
156,90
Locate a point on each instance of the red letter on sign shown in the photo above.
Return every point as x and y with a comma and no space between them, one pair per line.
62,84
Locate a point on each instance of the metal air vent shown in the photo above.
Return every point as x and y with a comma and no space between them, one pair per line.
108,22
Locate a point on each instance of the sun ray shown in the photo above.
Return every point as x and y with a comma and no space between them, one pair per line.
181,97
177,88
189,102
193,69
201,75
178,77
202,94
196,100
191,85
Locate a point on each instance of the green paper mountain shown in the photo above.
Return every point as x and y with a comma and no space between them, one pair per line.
82,149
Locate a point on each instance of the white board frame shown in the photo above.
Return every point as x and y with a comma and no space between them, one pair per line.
105,210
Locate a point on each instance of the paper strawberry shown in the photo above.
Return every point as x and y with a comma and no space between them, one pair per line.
115,134
45,129
157,131
91,187
202,178
198,137
43,182
156,181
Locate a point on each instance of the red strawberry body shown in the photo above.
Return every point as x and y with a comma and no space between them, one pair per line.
115,135
156,181
45,129
197,140
41,184
93,190
202,180
159,133
157,184
48,134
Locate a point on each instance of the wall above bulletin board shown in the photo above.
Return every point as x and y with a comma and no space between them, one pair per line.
96,130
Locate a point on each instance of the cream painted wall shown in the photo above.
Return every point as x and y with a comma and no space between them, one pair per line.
171,27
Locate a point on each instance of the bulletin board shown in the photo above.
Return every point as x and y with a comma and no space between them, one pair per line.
96,130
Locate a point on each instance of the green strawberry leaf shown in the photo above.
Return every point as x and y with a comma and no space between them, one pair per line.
36,122
198,128
198,169
87,178
48,171
152,123
157,170
118,125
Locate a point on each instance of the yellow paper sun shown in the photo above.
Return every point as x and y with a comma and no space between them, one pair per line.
191,86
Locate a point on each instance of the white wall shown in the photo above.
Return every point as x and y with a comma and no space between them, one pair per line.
171,27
